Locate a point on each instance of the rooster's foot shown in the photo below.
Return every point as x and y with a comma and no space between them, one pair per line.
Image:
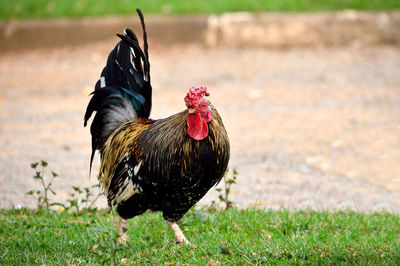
180,238
122,228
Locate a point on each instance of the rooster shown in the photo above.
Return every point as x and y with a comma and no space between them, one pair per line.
164,165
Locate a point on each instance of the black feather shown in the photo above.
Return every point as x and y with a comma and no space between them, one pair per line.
175,170
145,46
123,92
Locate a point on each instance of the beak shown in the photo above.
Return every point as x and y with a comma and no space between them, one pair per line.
191,110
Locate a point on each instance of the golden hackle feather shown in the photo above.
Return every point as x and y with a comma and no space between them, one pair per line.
167,140
121,141
162,145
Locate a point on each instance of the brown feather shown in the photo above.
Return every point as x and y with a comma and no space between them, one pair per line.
121,141
167,156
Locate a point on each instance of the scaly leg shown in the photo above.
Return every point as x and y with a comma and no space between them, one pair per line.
180,238
122,227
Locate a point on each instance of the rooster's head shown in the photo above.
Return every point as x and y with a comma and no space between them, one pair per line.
199,112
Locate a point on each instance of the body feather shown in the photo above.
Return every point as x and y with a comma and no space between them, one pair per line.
173,171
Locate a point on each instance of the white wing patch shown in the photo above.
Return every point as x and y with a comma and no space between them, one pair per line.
137,167
128,191
102,82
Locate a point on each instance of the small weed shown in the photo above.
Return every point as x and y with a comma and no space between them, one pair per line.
42,195
224,193
81,199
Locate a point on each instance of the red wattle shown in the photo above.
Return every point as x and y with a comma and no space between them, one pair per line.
197,127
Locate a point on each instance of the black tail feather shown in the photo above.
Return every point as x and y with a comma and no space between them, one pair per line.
145,45
123,91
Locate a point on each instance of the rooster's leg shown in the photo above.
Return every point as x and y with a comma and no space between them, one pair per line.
180,238
122,228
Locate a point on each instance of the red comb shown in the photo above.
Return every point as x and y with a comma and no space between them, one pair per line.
194,96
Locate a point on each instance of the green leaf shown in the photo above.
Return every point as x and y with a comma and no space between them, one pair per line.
44,163
77,189
235,172
73,203
34,165
30,192
58,204
54,174
37,176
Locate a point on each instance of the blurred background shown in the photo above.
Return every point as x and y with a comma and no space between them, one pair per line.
309,92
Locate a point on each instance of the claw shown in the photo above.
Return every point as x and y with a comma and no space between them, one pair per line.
180,238
122,228
184,241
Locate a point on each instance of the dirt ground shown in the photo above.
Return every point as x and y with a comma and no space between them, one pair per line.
308,128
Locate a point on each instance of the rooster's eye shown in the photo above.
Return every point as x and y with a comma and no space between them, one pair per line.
204,105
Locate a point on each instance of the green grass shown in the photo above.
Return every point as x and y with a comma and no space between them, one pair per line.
18,9
232,237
